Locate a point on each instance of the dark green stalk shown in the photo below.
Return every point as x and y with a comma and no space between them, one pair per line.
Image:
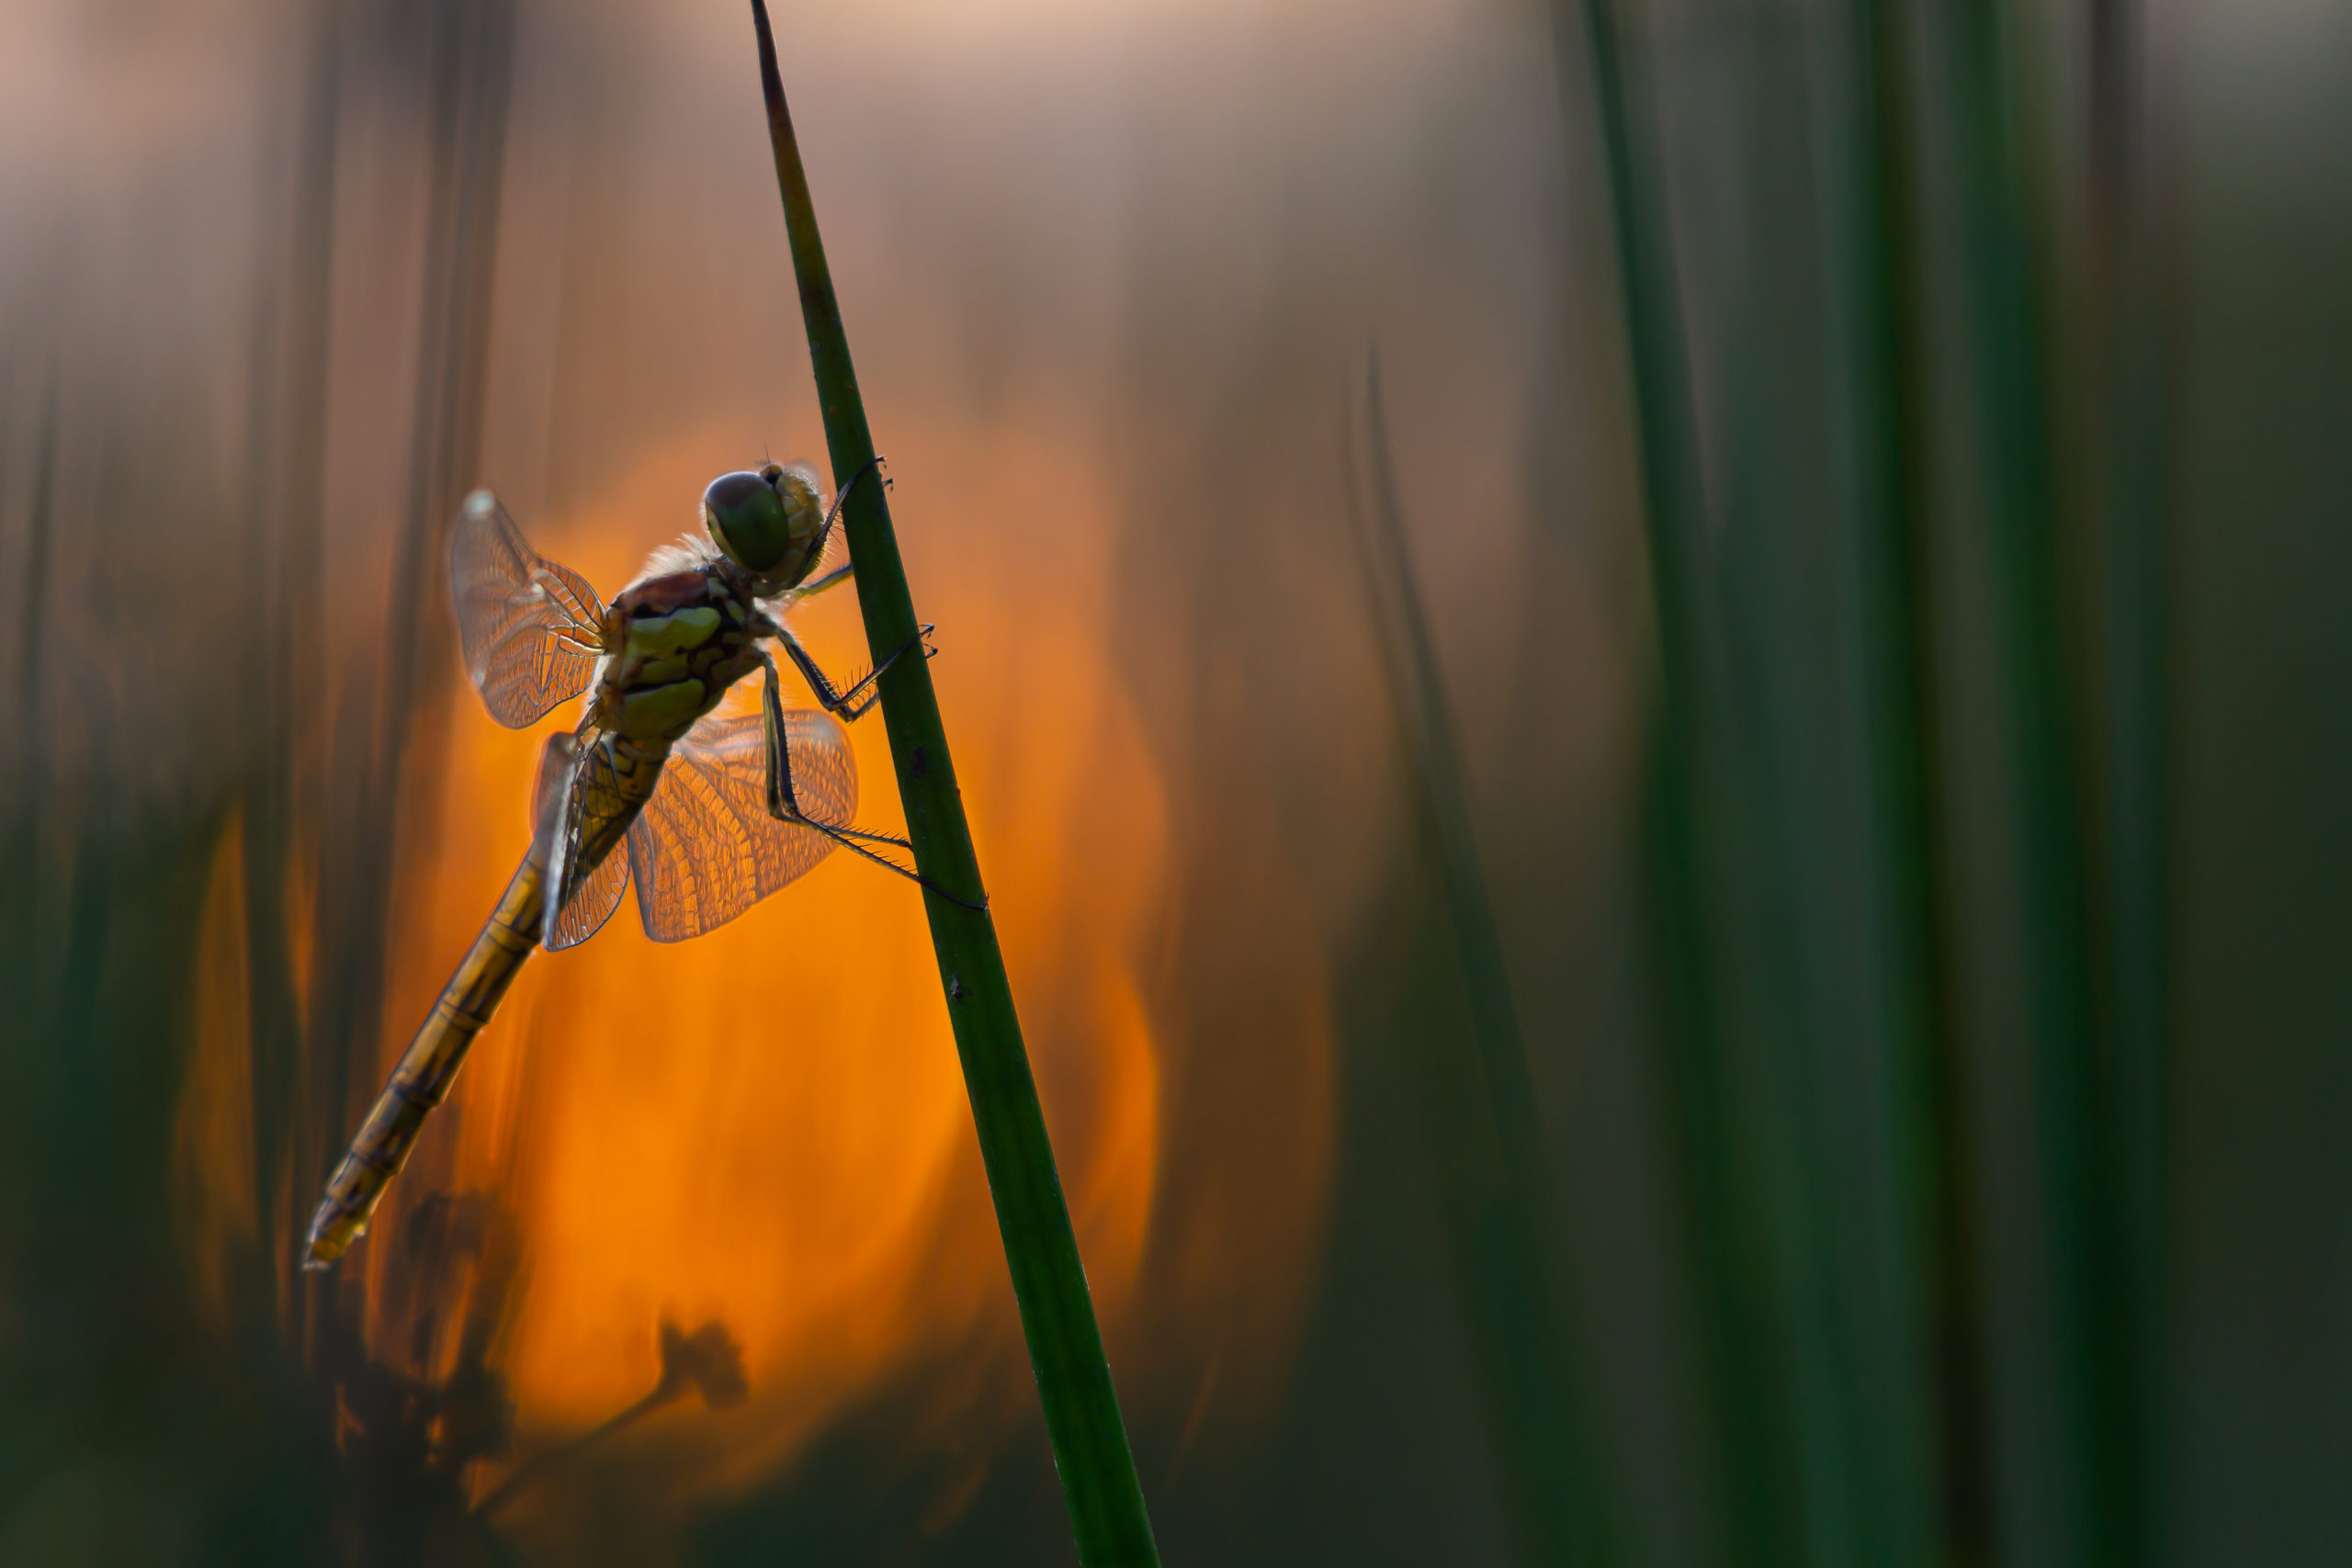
299,635
31,672
1928,1099
473,79
28,852
1529,1375
1676,833
266,791
2006,325
1846,1391
469,77
1090,1443
2130,355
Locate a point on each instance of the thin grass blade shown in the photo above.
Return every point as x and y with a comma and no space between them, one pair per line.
1511,1224
1082,1420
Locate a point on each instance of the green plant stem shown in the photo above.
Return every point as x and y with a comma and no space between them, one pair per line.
32,611
2006,325
2130,356
1929,1095
1510,1227
1678,831
1089,1442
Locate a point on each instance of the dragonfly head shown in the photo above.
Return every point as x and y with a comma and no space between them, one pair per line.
766,521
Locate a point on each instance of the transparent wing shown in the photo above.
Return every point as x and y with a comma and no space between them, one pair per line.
705,849
530,627
584,872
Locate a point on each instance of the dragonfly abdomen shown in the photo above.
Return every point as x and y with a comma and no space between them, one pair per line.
428,1066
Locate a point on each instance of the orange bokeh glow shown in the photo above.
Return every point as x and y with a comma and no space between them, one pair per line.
767,1126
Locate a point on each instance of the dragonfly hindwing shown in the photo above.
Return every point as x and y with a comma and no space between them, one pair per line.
586,872
705,849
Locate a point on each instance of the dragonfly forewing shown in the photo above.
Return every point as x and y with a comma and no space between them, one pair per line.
531,630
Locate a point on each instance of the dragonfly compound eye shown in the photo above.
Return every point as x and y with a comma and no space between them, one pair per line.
747,521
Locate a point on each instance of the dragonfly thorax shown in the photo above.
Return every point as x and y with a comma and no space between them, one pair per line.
677,642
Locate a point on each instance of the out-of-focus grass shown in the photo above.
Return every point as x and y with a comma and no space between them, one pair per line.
1943,425
1690,806
1489,1156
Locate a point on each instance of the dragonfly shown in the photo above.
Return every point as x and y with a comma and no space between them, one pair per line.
707,813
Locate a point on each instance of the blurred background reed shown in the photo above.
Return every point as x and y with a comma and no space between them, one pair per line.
1696,914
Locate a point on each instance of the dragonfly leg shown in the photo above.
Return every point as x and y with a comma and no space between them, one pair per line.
861,696
785,807
832,578
825,529
873,466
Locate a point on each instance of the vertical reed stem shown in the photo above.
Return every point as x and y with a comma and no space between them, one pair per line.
2130,357
1678,845
1089,1442
1510,1227
1929,1094
2006,323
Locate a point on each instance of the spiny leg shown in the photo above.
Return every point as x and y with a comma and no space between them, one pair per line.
845,704
785,807
783,803
852,703
873,466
